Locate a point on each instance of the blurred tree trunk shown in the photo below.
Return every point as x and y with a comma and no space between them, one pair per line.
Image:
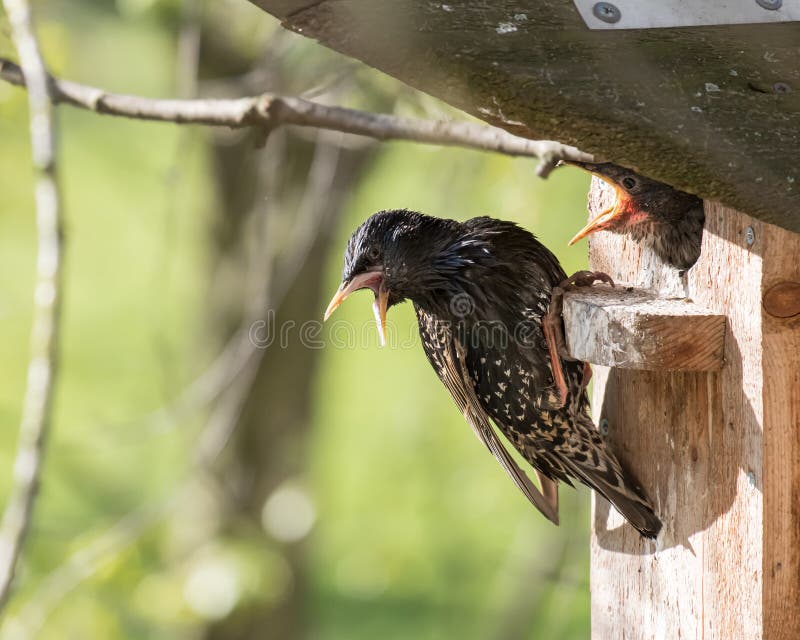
268,444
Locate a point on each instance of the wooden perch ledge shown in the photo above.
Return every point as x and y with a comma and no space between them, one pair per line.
635,329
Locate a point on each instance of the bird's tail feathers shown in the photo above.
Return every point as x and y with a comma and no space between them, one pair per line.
629,501
618,487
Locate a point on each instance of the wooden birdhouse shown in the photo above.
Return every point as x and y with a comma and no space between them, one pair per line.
698,376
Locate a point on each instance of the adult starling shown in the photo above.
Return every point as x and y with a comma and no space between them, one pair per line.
666,219
480,290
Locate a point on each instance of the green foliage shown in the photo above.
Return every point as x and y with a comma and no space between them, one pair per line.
418,533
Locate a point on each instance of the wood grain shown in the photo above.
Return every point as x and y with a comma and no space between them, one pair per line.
781,469
719,453
783,300
635,329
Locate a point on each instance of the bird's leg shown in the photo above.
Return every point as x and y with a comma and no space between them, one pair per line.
553,328
587,375
554,336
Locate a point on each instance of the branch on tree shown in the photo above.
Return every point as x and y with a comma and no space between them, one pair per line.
225,382
42,366
269,111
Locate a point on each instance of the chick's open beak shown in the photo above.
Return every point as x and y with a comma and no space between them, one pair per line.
604,218
369,280
600,221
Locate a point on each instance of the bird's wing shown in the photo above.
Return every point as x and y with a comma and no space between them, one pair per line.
449,361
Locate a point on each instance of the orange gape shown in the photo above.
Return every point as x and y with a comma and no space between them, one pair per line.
622,212
658,215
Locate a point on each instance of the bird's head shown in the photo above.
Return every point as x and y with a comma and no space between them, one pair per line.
671,220
397,255
636,202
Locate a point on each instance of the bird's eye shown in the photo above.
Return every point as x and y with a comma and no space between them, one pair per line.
629,183
374,252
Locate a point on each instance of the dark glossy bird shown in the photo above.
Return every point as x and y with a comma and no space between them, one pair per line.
481,289
664,218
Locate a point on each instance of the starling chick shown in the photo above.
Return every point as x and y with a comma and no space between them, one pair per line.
668,220
480,290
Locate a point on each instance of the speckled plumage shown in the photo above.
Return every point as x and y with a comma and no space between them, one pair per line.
480,289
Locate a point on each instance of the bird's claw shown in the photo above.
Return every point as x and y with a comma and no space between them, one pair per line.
585,279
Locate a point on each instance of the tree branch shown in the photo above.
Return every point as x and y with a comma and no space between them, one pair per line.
227,381
42,366
269,111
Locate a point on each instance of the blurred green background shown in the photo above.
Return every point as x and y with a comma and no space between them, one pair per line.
197,486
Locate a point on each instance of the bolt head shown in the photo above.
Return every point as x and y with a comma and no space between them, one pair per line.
749,235
770,5
608,12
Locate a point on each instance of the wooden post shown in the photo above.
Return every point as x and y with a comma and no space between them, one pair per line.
718,452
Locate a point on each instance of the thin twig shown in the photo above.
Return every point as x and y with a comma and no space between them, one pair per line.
269,111
230,369
87,560
187,58
309,215
42,366
233,370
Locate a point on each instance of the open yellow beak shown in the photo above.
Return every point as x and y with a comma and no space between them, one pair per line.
602,220
369,280
379,306
597,223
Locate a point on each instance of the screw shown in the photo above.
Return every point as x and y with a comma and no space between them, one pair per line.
608,12
781,87
749,235
770,5
751,478
604,426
